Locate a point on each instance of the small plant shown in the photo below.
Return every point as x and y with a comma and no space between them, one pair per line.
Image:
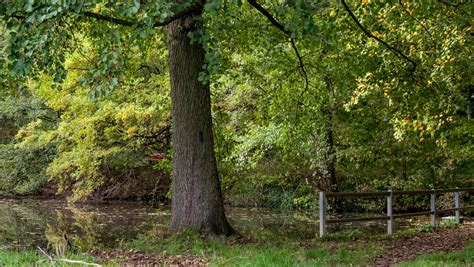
448,223
424,228
405,233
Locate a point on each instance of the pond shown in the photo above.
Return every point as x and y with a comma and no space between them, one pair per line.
32,223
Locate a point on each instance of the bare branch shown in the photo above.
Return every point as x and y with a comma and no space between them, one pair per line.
53,261
79,47
46,254
300,59
279,26
269,16
415,19
396,51
83,263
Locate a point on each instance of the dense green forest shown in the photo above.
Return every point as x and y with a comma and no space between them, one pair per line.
305,96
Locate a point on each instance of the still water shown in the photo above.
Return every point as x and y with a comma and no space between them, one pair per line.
31,223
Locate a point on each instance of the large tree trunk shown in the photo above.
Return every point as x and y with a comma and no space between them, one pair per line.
197,201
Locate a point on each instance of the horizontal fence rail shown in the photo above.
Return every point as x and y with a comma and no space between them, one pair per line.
395,193
390,216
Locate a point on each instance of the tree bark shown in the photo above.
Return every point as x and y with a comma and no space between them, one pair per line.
197,201
336,203
331,162
6,130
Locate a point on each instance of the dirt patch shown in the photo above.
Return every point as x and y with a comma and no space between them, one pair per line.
443,240
133,258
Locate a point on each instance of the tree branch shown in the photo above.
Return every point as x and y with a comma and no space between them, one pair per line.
458,6
300,59
192,10
15,16
415,19
109,19
46,254
195,9
269,16
279,26
450,4
79,48
180,14
396,51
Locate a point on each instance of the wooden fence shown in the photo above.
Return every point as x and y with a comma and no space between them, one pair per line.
389,217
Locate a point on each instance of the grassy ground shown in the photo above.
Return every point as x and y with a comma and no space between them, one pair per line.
237,255
10,258
237,252
463,258
254,255
289,256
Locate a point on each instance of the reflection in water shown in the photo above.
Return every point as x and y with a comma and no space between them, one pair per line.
273,225
51,223
55,225
57,240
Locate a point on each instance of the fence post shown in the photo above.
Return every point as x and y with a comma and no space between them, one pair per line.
433,208
457,205
390,212
322,213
